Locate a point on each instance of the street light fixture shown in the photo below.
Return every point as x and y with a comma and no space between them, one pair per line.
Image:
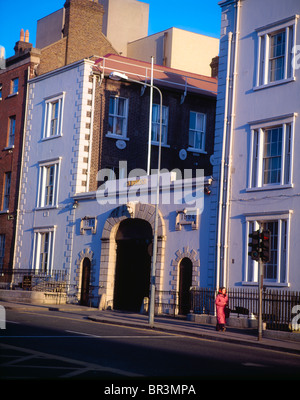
118,76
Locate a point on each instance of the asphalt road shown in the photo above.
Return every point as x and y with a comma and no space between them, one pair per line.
59,345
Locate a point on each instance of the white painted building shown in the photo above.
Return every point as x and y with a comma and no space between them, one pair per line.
64,226
54,154
256,141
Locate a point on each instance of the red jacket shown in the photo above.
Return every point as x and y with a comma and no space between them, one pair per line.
221,302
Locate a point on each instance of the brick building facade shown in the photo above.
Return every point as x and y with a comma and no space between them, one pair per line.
81,36
179,101
13,88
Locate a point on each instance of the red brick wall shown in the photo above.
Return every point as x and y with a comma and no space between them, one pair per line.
10,159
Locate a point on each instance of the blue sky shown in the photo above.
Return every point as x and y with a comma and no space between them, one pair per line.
200,16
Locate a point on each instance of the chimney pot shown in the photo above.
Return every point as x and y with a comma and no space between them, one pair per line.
27,36
22,35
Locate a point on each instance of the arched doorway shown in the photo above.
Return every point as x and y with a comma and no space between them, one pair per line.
133,263
185,282
85,281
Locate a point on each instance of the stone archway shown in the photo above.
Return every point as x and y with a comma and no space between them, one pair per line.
109,245
193,256
86,254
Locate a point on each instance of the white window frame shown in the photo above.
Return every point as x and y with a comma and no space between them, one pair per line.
39,234
14,86
116,116
199,131
256,154
156,124
282,218
42,183
49,104
265,34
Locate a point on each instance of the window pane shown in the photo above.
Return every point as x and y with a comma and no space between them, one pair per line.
49,186
191,139
12,126
262,61
200,122
198,140
277,55
272,155
270,268
14,85
44,252
287,154
121,107
192,120
6,191
110,124
54,118
119,126
155,113
117,116
111,105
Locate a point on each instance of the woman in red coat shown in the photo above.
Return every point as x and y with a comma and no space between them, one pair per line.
221,303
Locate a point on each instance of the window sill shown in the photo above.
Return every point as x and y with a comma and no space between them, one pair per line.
4,211
11,147
270,187
162,145
114,136
193,150
12,95
43,208
267,284
275,83
44,139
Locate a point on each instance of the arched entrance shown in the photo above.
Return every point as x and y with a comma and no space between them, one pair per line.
109,246
85,281
133,263
185,282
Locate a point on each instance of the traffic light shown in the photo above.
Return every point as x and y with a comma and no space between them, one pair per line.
255,245
265,254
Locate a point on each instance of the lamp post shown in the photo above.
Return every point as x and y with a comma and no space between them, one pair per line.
117,76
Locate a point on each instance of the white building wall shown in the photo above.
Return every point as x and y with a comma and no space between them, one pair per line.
70,149
251,108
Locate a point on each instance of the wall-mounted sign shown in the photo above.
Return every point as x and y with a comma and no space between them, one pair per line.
121,144
88,223
187,217
182,154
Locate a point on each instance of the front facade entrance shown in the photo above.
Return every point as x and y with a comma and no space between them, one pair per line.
185,282
125,261
85,281
133,263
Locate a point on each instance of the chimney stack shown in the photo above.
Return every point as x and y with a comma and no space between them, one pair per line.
22,35
27,36
23,45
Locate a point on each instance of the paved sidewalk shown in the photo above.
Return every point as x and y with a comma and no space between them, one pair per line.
282,341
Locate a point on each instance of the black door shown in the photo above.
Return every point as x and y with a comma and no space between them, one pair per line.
85,281
185,282
132,279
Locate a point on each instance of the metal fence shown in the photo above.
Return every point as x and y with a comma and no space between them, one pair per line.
29,279
54,285
278,306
